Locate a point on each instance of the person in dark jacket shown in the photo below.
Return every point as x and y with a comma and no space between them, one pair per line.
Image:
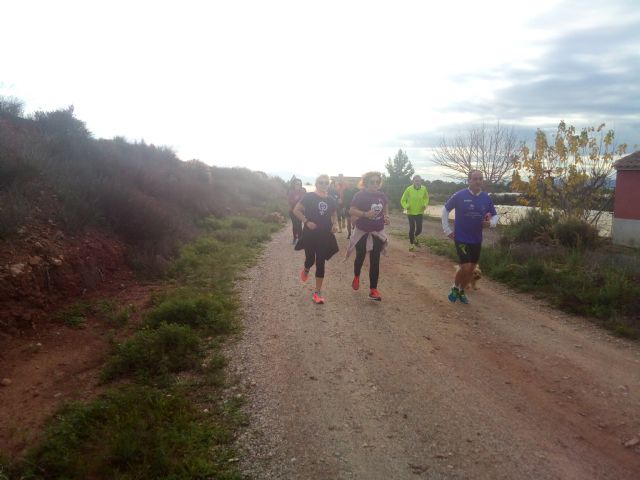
295,195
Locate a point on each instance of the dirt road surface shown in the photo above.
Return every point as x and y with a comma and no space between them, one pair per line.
415,387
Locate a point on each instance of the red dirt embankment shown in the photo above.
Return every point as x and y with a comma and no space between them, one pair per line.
42,361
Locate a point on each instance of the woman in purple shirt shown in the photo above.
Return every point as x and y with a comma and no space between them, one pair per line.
370,206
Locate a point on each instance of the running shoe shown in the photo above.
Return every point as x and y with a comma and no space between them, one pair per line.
412,247
462,297
304,275
453,296
317,299
356,283
374,294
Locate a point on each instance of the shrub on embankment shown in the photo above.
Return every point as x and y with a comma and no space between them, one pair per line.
165,413
144,193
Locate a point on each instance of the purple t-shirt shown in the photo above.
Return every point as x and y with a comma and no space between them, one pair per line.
365,201
319,209
470,212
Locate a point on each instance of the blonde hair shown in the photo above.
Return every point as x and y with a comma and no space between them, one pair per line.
325,176
366,176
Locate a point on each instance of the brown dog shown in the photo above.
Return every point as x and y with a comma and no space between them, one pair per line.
477,275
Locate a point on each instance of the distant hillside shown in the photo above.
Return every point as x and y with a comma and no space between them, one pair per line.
78,215
143,193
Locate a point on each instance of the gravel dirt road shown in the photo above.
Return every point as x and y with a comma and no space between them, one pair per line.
416,387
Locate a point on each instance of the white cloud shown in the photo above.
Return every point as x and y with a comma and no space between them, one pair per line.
305,87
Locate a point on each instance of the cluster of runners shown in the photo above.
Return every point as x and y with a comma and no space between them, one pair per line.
364,211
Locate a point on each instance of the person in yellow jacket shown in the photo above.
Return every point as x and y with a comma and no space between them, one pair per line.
414,201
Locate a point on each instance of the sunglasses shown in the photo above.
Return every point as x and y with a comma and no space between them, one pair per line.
323,183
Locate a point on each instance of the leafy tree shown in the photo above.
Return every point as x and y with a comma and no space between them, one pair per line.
570,173
11,106
492,150
399,176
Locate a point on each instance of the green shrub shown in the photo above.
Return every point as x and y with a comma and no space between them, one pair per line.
111,312
575,233
74,316
205,246
531,226
215,315
211,224
151,354
136,433
239,223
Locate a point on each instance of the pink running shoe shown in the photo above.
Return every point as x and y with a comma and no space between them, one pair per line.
374,294
356,283
304,275
317,299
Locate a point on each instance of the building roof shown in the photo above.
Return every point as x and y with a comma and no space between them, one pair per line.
630,162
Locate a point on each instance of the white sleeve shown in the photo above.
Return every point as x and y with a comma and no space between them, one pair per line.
445,222
494,221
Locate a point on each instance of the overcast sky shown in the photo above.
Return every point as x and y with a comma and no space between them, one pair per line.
310,87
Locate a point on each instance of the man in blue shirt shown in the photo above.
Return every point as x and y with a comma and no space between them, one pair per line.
474,209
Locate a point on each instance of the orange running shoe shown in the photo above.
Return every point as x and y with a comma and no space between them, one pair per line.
304,275
374,294
356,283
317,299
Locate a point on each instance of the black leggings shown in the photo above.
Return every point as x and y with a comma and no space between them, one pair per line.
311,257
415,227
296,224
374,259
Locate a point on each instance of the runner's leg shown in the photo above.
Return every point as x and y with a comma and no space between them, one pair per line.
412,228
374,263
418,227
361,252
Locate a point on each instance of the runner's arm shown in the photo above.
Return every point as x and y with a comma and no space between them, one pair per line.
298,211
404,202
445,222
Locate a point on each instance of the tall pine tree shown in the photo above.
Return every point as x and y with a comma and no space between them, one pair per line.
400,171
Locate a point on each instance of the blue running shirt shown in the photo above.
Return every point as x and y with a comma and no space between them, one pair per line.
470,211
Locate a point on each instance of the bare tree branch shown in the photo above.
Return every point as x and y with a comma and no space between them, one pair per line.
492,150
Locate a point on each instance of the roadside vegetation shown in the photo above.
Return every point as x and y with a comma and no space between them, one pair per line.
166,412
554,251
53,171
564,261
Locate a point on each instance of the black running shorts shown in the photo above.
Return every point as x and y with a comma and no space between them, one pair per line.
468,252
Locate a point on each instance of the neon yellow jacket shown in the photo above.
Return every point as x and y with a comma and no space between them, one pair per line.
415,201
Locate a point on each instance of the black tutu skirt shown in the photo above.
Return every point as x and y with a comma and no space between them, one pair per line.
320,241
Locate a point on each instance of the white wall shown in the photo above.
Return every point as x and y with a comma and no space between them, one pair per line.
626,232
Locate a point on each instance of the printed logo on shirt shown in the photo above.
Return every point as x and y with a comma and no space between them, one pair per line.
323,207
377,207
